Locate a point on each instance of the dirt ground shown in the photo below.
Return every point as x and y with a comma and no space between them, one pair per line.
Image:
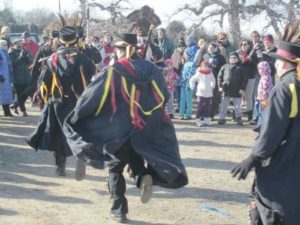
31,193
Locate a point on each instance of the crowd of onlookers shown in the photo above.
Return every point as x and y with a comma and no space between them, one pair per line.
215,74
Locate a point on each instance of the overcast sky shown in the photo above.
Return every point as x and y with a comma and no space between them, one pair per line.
163,8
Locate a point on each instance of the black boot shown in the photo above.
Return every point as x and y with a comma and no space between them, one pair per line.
60,170
6,111
233,116
60,164
249,114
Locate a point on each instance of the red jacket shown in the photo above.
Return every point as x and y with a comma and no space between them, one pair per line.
31,47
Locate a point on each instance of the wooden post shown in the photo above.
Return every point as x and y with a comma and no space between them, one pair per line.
88,23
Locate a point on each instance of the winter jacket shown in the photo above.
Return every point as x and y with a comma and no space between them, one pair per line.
249,63
205,84
232,79
265,86
189,67
32,48
166,46
6,96
20,62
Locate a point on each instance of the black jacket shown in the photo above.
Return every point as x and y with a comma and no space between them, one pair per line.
232,79
250,65
20,62
277,179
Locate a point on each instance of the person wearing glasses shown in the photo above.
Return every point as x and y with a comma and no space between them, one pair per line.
249,62
232,83
224,45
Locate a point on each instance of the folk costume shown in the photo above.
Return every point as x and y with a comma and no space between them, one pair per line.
90,51
143,22
38,64
65,75
120,118
276,155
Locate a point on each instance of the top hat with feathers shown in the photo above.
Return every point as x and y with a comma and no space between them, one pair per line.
67,36
289,46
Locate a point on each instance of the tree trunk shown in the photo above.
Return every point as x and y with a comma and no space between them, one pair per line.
234,22
291,10
83,9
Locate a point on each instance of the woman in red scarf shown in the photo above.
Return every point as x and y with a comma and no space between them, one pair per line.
249,61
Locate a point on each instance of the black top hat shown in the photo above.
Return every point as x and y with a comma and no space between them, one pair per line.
287,51
67,36
25,34
126,39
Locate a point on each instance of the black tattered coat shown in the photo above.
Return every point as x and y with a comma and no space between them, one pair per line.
62,82
277,188
96,135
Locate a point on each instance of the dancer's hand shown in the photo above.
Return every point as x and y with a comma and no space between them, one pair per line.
242,169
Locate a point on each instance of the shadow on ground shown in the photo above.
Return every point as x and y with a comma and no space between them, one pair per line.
208,164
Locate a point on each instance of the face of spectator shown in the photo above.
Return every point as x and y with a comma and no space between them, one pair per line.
268,44
211,49
107,39
169,66
188,42
180,49
205,67
27,40
223,39
233,59
5,34
260,71
141,40
160,34
245,46
255,37
95,42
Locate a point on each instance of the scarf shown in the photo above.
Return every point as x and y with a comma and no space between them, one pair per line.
204,72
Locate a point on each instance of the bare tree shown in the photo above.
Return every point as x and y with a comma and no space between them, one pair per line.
115,8
278,12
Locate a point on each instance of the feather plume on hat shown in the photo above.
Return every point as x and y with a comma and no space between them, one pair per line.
289,46
292,34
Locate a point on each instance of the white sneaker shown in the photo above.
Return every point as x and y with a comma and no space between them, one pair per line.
198,122
207,121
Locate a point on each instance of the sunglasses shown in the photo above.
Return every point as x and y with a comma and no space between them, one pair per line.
221,39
